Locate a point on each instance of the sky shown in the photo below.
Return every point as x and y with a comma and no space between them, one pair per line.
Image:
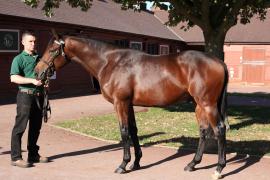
149,5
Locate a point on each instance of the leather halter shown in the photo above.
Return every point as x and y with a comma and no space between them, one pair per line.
53,54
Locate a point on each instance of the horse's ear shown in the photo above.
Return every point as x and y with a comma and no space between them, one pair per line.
55,34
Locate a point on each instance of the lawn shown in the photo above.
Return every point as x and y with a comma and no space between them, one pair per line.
176,126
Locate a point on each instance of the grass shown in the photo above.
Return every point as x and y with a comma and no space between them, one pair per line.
176,126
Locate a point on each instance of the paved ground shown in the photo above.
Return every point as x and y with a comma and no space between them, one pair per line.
74,156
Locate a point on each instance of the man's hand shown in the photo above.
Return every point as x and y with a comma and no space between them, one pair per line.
37,82
23,80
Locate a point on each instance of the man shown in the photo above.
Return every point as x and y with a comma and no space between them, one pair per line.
30,92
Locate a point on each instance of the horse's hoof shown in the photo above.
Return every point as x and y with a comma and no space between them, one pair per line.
134,167
216,175
188,168
120,170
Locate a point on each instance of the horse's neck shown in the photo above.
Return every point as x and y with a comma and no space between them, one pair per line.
90,59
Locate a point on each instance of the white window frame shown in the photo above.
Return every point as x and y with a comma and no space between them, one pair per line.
135,42
164,46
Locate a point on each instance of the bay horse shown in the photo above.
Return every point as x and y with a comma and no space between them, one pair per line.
129,77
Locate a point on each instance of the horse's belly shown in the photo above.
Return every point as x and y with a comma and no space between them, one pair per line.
156,97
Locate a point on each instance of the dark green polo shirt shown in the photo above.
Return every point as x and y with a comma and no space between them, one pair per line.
24,65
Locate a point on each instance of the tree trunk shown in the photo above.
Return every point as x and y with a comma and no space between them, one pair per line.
214,43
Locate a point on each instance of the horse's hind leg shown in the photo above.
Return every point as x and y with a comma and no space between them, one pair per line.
133,133
219,129
198,156
221,137
121,108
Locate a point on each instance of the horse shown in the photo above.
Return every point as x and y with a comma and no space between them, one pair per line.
129,77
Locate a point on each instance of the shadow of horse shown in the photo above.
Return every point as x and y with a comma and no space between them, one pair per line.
87,151
241,153
106,148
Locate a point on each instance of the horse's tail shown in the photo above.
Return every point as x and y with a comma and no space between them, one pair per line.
222,103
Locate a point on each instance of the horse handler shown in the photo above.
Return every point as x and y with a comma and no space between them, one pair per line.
29,98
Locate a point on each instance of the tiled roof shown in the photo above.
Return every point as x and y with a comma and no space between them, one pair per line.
255,32
103,14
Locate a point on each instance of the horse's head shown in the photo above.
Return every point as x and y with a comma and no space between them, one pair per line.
53,58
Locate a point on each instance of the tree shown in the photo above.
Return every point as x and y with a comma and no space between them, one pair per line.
214,17
49,5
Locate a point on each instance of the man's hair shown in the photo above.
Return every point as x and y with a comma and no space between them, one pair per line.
27,33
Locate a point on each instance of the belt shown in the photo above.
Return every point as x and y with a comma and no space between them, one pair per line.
30,92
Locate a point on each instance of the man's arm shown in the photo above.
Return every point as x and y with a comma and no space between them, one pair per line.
23,80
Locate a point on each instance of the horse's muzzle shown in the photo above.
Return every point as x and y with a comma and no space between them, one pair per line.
43,75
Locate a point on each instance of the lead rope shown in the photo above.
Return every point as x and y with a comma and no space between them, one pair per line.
46,104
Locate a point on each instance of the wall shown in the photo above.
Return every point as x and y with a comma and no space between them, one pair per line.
248,64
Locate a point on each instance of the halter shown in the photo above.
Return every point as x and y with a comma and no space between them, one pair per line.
53,54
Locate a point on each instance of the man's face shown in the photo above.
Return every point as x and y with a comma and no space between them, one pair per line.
29,43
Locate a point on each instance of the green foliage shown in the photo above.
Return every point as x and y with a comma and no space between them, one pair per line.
212,13
49,5
32,3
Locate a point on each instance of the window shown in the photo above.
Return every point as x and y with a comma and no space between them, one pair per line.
135,45
163,49
152,48
9,40
122,43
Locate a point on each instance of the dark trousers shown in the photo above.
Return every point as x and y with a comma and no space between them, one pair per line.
27,110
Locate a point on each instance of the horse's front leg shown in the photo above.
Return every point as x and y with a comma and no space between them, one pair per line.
121,108
134,137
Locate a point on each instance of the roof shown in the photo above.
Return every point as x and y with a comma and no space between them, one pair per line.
255,32
104,14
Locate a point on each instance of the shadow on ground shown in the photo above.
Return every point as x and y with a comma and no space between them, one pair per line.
240,149
187,149
106,148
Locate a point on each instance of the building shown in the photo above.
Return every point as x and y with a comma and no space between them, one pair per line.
105,21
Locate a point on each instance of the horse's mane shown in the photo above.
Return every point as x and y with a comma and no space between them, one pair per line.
100,46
